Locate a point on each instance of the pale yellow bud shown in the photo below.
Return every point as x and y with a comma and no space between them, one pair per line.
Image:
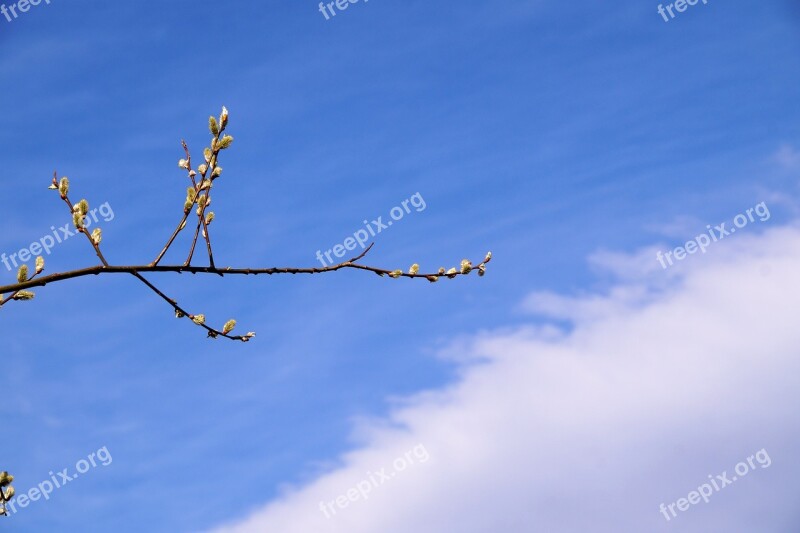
97,235
22,274
396,273
63,186
466,266
228,327
24,295
225,142
414,269
39,264
213,127
199,319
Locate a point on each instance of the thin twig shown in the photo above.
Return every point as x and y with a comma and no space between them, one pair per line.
186,212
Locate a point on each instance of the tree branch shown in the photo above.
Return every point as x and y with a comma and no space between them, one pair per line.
227,271
198,197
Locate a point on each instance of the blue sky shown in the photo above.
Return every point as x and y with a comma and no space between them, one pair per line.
546,132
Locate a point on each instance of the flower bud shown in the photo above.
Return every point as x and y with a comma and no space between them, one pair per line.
39,264
22,274
223,118
396,273
466,266
414,269
97,236
199,319
228,327
213,127
182,163
225,142
452,273
63,186
24,295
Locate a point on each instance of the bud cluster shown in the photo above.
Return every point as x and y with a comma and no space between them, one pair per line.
79,212
465,268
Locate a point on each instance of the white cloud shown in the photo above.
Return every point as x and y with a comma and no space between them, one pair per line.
592,429
787,156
